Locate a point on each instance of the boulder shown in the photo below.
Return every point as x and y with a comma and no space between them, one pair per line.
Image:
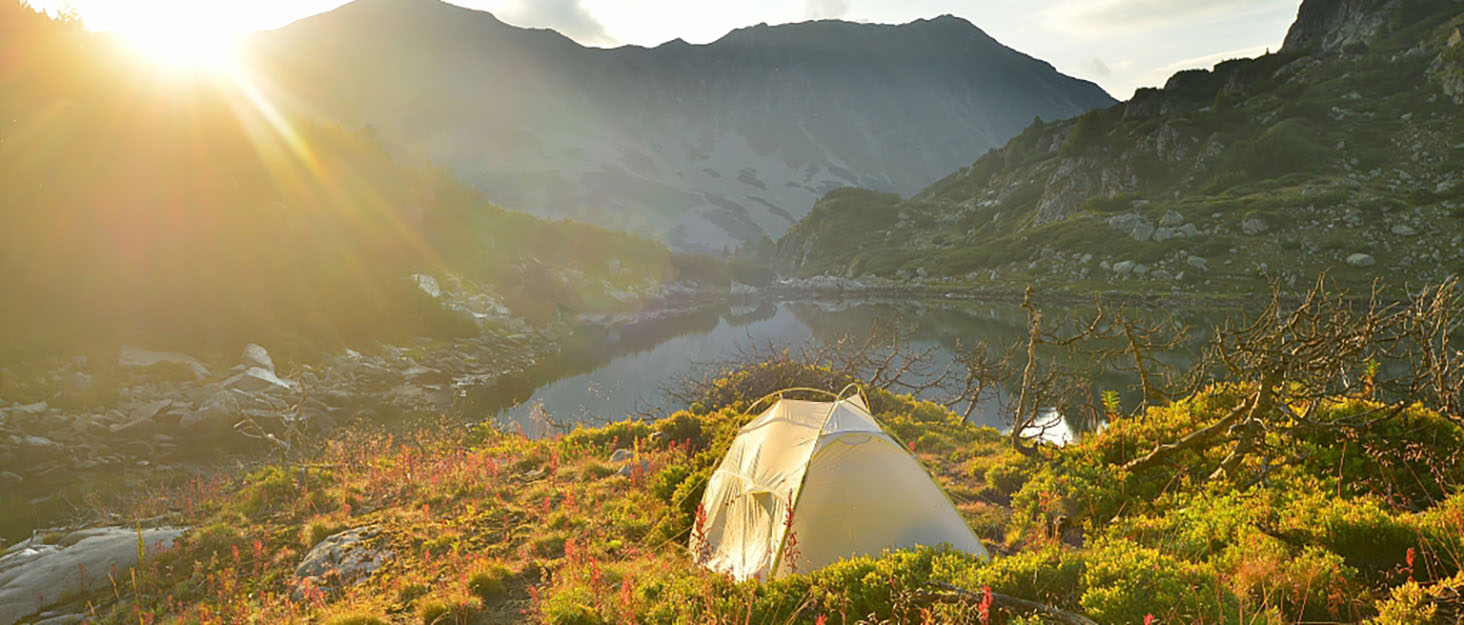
34,574
256,356
1198,263
1142,232
1123,267
343,559
1165,233
138,358
1171,219
1404,230
1361,260
1254,226
256,380
218,413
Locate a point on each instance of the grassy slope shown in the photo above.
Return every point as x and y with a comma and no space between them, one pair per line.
1330,151
492,527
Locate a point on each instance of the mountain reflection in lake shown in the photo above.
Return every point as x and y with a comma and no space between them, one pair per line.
635,363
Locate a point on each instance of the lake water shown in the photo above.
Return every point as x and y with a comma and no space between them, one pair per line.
636,363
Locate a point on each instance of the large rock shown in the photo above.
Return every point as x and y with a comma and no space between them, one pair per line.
256,356
1404,230
1198,263
138,358
1142,232
257,380
341,560
1361,260
1171,219
34,574
217,414
1254,226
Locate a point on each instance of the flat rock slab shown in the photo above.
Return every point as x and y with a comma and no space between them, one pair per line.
34,575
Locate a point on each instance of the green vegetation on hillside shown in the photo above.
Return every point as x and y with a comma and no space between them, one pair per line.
1345,523
1280,167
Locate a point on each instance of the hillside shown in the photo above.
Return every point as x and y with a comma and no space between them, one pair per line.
701,146
1340,152
188,212
486,526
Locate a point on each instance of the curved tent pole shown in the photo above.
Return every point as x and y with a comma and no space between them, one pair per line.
839,396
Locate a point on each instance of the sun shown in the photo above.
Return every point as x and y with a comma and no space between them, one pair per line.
182,45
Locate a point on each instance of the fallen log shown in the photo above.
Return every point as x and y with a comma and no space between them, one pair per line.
946,593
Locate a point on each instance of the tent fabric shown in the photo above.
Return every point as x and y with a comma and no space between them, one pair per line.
853,489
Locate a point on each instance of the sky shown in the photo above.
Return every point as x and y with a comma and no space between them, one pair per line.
1119,44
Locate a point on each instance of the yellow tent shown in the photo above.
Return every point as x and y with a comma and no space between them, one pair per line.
852,488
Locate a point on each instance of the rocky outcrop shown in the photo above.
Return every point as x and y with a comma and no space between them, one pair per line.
1329,25
341,560
55,569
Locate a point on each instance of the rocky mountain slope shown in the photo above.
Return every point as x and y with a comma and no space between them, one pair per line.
703,146
1341,153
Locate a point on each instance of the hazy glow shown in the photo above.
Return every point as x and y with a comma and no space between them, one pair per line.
1119,44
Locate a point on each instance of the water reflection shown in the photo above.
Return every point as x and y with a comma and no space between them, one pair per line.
633,364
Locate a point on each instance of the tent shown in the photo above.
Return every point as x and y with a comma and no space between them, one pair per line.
853,490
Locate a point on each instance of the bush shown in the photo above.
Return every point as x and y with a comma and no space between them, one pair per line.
487,581
1123,583
445,610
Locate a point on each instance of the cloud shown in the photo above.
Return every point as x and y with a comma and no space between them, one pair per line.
569,17
1099,17
825,9
1098,68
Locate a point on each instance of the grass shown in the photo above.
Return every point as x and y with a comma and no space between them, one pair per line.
488,525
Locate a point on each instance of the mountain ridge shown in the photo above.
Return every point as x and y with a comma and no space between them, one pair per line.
706,146
1332,155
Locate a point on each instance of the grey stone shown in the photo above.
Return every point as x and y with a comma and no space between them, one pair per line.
343,559
1198,262
34,575
1404,230
1361,260
1171,218
218,413
1189,231
256,356
1123,267
1142,232
1162,274
138,358
1165,233
255,379
1254,226
621,455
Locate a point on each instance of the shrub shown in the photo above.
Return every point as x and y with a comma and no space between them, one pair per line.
486,581
317,530
445,610
1123,582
